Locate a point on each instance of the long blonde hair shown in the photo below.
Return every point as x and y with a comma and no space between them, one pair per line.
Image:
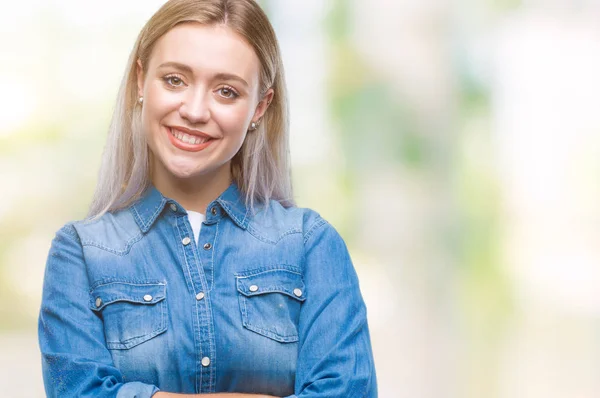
261,168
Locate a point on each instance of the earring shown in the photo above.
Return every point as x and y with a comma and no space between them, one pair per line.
141,100
253,126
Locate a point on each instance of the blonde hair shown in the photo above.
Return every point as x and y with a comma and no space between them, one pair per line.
261,168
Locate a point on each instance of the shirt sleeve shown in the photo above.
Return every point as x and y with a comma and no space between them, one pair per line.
335,357
75,359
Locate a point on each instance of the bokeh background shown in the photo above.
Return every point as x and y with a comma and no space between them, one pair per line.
454,144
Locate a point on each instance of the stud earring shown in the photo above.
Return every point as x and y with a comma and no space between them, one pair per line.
253,126
141,100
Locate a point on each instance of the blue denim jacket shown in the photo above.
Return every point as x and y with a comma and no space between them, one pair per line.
266,303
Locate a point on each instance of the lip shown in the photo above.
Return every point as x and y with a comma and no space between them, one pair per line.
187,146
197,133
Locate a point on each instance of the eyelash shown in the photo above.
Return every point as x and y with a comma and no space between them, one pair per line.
234,93
169,81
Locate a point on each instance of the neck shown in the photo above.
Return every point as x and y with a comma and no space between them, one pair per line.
195,193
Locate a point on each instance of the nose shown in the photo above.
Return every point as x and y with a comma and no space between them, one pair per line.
195,107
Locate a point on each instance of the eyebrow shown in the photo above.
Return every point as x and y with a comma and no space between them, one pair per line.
229,76
218,76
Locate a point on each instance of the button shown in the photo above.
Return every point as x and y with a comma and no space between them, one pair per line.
186,241
147,297
205,361
200,296
98,302
173,207
298,292
213,211
207,246
253,288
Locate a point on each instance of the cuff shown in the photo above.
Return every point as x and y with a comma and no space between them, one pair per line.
135,389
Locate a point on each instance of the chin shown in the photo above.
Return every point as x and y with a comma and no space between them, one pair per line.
183,173
183,168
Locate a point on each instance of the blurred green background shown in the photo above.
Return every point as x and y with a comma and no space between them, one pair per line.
454,144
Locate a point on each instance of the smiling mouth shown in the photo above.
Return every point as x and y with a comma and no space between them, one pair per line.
188,142
188,138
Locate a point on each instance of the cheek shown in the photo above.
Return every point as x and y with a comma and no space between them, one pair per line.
232,119
159,102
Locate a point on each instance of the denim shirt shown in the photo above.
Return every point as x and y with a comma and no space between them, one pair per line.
266,303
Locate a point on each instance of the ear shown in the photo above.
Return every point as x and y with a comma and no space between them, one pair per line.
263,105
140,78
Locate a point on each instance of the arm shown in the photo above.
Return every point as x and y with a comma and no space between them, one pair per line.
335,357
75,360
221,395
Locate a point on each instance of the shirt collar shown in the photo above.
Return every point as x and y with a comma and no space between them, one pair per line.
234,205
147,209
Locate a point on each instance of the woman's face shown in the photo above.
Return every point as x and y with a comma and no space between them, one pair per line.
201,92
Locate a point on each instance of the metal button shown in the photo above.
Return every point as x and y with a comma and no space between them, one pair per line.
147,297
253,288
173,207
200,296
207,246
186,241
298,292
98,302
205,361
213,211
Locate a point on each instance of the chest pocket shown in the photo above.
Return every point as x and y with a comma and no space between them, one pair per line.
132,312
270,302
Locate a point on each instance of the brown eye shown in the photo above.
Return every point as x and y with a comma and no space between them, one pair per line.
228,92
173,81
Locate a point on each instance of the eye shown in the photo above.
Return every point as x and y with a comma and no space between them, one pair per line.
228,92
173,81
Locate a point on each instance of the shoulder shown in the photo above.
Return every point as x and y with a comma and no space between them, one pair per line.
325,255
276,221
111,230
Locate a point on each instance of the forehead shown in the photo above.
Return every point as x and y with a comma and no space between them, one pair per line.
207,49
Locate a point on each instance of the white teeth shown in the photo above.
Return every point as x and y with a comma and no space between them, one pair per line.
187,138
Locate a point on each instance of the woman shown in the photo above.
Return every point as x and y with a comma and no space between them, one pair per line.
195,273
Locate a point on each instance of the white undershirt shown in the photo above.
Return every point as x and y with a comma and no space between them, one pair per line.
196,220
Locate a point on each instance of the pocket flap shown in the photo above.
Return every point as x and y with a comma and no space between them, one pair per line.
276,280
141,293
